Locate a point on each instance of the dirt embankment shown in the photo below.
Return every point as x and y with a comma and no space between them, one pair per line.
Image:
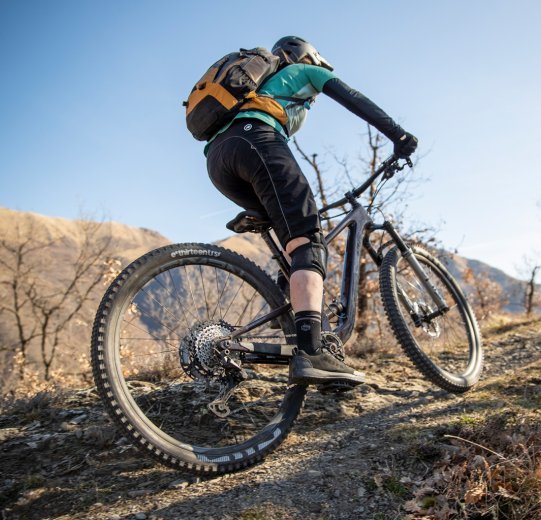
394,448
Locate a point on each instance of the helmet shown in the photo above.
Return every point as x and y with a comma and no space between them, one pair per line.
292,49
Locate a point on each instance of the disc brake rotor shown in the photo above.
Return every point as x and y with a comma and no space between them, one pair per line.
432,328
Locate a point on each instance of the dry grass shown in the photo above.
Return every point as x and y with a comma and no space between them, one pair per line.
491,468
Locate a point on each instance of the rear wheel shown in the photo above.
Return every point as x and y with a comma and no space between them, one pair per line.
162,379
446,349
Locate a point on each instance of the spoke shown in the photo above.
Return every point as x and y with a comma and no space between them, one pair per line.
248,303
149,333
177,291
234,298
154,353
218,306
127,338
176,299
204,292
191,291
166,309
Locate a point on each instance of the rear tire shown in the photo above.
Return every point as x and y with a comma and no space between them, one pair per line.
154,386
446,349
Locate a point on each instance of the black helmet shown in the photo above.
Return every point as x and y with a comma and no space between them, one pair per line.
292,49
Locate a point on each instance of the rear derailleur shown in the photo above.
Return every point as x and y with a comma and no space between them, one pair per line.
233,377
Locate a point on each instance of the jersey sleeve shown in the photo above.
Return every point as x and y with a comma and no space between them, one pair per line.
318,76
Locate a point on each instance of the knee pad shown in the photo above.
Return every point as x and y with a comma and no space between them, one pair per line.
311,256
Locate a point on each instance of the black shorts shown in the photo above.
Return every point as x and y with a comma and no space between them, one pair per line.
251,164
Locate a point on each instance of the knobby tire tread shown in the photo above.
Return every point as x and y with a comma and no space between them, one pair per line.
108,398
402,333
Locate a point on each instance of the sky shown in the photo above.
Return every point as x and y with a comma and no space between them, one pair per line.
92,123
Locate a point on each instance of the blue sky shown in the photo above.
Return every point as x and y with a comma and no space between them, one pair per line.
91,116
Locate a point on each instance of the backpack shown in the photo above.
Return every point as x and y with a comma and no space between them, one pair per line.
228,86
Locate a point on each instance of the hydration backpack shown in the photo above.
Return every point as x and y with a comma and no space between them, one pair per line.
228,86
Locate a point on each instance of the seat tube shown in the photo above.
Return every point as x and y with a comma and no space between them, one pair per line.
277,253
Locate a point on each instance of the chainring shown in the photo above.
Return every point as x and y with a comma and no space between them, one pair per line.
333,345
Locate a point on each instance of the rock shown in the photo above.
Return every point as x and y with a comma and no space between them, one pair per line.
79,419
33,425
99,436
178,484
66,427
140,516
139,493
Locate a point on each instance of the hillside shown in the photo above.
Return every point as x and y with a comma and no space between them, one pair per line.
43,256
55,245
512,288
396,447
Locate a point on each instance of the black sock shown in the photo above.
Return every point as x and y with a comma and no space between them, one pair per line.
308,325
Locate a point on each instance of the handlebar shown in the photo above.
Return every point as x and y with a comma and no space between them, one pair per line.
388,168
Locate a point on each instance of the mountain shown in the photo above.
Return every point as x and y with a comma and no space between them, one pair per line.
512,288
40,254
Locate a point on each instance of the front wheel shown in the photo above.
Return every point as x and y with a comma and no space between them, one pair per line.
160,375
446,348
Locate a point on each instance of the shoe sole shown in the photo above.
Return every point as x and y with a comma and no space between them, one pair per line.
315,377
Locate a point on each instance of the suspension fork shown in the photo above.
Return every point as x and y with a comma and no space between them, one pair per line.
409,257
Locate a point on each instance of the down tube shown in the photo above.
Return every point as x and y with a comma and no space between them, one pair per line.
355,222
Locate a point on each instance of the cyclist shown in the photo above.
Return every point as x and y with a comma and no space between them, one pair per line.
250,162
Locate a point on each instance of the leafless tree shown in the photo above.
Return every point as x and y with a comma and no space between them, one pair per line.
392,199
486,295
38,300
529,270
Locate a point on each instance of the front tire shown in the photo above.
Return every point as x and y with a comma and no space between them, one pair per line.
446,349
156,368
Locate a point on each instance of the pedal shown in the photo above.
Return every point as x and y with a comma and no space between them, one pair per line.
335,387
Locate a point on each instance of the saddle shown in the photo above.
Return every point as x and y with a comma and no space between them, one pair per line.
249,221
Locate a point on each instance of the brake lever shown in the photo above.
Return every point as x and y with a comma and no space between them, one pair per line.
399,167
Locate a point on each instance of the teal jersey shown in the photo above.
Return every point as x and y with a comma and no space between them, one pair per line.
299,81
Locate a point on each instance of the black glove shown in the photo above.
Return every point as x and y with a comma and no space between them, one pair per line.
405,146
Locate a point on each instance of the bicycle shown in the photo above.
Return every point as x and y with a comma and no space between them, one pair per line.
191,342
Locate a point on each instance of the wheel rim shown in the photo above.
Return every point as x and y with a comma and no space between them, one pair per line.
159,312
447,340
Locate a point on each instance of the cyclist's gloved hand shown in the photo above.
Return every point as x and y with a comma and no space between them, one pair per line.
405,145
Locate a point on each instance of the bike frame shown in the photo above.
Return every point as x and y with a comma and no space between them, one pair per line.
358,226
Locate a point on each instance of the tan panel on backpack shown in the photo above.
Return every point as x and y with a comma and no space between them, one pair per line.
211,89
268,105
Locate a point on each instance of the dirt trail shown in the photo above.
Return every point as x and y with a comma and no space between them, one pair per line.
355,456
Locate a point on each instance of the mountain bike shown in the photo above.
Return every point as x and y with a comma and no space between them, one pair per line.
191,342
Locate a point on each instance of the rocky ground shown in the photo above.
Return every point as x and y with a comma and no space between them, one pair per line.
369,454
